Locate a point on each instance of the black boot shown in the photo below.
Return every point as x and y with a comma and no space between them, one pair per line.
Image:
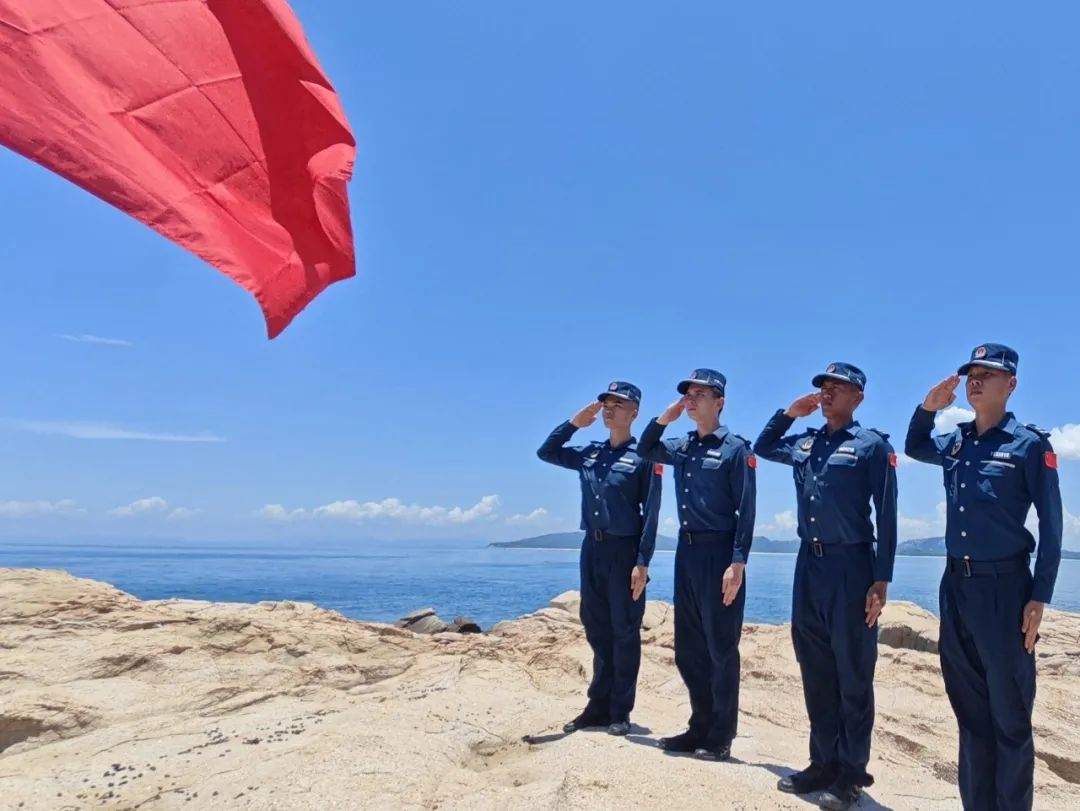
814,777
588,718
685,742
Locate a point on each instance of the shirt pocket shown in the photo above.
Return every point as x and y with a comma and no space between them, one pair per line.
711,463
842,461
993,479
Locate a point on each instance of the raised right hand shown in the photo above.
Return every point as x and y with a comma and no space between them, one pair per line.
942,395
672,412
587,415
804,406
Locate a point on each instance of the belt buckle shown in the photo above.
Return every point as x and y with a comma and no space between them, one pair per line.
817,548
967,566
598,534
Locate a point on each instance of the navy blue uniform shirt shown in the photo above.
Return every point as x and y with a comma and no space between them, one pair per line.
837,476
716,488
620,491
991,482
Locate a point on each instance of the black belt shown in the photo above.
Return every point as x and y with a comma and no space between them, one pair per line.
968,567
602,535
819,549
705,536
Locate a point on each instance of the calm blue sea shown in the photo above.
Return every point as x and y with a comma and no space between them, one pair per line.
383,581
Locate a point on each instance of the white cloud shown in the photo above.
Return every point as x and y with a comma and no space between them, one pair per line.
154,504
910,527
535,517
276,512
392,509
669,525
98,430
182,513
946,421
94,339
782,522
395,509
29,509
1066,441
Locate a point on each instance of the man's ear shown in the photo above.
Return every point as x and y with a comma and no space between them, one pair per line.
1012,384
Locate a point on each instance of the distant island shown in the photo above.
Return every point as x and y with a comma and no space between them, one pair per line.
922,547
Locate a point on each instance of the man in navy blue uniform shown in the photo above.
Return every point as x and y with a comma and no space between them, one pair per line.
840,580
620,507
991,606
716,493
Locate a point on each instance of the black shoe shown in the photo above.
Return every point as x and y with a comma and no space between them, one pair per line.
713,753
685,742
840,796
619,728
586,720
814,777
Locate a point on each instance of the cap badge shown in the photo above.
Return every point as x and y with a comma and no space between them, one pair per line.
613,386
980,352
831,369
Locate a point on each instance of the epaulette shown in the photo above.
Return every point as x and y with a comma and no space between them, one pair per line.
881,434
1041,432
748,443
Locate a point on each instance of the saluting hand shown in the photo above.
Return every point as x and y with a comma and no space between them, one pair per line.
732,582
638,577
1033,614
804,406
587,415
672,412
876,598
942,395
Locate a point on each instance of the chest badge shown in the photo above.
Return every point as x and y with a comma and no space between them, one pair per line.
956,448
807,444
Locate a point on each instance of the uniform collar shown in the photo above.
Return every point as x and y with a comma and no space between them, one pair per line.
1008,424
627,444
852,429
719,433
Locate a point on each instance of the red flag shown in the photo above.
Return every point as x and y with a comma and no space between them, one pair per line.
209,120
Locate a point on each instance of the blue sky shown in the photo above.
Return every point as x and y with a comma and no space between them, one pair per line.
547,198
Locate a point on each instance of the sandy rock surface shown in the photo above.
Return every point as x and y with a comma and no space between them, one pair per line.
107,701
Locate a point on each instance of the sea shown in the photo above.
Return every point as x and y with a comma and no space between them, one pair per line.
383,581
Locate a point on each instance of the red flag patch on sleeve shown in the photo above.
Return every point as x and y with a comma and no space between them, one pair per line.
658,470
752,461
892,459
1051,460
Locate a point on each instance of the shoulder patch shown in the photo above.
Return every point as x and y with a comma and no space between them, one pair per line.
751,461
658,469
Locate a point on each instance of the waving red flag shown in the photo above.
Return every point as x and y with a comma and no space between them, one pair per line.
208,120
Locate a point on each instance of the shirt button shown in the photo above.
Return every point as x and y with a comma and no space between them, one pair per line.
684,523
962,485
693,458
961,509
684,506
686,489
811,498
819,458
963,534
815,540
596,513
967,464
976,442
812,518
815,478
688,475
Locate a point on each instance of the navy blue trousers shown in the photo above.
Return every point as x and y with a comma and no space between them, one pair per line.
707,635
990,680
836,652
612,620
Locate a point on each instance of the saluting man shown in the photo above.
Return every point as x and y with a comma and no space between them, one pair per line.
995,469
620,507
716,493
840,580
